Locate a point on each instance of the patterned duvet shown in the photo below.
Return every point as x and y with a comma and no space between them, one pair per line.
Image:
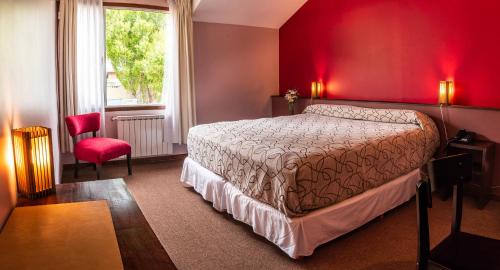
315,159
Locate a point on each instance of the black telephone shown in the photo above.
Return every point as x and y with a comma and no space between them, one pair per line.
464,136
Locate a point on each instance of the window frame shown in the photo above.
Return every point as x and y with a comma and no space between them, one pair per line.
127,6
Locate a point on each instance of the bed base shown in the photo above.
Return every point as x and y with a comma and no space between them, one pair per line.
299,236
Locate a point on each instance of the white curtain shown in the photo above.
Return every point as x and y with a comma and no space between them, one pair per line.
178,86
90,58
170,95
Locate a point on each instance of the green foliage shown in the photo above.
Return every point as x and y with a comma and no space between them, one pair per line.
135,46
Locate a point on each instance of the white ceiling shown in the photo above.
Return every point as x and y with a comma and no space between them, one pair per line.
260,13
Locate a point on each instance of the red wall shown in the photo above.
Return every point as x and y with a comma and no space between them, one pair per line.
394,50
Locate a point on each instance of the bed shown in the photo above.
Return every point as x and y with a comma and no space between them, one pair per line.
303,180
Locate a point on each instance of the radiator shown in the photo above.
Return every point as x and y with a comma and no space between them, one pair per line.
145,133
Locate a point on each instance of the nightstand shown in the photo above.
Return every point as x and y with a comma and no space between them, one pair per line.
483,157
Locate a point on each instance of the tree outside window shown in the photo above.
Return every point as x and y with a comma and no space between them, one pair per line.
135,56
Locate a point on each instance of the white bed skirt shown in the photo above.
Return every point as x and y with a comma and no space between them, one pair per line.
299,236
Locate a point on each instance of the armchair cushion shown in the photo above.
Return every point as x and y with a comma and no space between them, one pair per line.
99,150
83,123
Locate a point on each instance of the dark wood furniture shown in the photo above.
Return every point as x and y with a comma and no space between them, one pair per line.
483,158
459,250
139,246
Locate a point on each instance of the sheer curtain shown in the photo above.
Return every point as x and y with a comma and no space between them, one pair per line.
90,58
170,95
178,86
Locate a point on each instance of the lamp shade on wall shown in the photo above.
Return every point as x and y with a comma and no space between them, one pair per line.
443,92
319,89
451,92
316,89
446,92
34,164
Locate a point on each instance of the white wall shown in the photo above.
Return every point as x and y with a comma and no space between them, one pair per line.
27,81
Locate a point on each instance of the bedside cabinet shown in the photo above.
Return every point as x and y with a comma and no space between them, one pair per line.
483,156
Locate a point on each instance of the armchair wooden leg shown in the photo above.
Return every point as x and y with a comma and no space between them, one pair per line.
76,168
129,164
98,171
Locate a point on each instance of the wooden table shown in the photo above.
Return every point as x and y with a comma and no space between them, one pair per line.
139,246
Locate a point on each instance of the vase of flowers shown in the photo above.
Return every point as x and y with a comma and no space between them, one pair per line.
292,95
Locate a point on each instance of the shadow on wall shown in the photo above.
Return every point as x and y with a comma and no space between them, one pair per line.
7,175
27,82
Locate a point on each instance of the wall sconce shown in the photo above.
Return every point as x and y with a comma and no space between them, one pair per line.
316,90
34,161
446,92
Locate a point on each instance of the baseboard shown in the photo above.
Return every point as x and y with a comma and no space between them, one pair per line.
123,162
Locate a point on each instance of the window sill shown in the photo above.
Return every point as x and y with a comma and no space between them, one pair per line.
134,108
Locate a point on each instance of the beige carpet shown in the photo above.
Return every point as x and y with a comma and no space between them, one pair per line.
198,237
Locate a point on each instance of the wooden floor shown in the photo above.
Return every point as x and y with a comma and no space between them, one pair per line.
139,246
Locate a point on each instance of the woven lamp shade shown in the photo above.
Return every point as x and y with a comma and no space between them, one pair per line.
443,92
33,161
446,92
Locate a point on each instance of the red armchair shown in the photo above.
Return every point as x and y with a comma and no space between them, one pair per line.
95,150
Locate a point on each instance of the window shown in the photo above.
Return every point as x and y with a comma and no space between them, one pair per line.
135,56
